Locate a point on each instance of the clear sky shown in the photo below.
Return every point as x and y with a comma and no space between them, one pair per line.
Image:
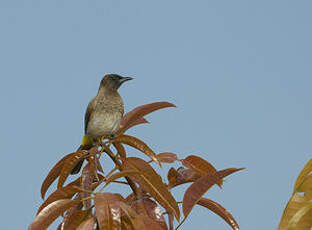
239,72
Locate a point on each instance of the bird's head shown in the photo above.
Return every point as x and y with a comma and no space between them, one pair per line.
113,81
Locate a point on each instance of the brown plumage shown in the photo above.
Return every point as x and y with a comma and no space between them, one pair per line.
104,111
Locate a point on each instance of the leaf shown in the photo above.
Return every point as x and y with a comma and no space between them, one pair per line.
53,174
140,121
69,164
139,112
200,166
200,187
61,193
306,186
107,210
138,144
51,213
303,221
87,224
135,219
220,211
120,149
87,177
304,172
76,219
181,176
167,157
121,174
151,210
298,216
151,182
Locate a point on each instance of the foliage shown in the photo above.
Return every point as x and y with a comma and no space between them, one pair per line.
298,212
85,208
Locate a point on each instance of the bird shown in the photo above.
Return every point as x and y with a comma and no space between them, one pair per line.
103,114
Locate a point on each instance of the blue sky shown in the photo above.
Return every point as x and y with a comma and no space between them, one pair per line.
238,71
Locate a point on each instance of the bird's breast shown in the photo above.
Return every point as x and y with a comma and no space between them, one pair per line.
103,124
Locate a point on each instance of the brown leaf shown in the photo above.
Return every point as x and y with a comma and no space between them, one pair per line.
167,157
304,172
69,164
107,210
51,213
76,219
296,203
53,174
151,182
200,166
200,187
139,112
87,224
66,192
87,177
120,149
181,176
150,209
138,144
92,162
220,211
135,219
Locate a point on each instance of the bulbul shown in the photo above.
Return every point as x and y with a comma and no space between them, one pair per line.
103,114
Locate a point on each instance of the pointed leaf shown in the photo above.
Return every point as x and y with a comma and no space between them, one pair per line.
181,176
304,172
133,217
107,210
167,157
200,166
220,211
87,224
69,164
151,182
151,210
76,219
53,174
51,213
131,117
138,144
200,187
61,193
123,173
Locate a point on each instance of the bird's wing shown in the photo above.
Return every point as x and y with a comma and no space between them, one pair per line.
88,113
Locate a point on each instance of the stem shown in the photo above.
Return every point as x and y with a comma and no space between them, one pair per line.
118,164
181,223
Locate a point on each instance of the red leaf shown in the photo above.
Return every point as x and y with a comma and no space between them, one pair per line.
200,187
147,206
51,213
151,182
69,164
200,166
87,225
167,157
62,193
107,210
220,211
181,176
53,174
120,149
75,219
139,112
138,144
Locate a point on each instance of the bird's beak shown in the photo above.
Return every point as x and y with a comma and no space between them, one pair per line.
122,80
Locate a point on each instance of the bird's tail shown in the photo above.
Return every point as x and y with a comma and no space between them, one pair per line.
86,144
